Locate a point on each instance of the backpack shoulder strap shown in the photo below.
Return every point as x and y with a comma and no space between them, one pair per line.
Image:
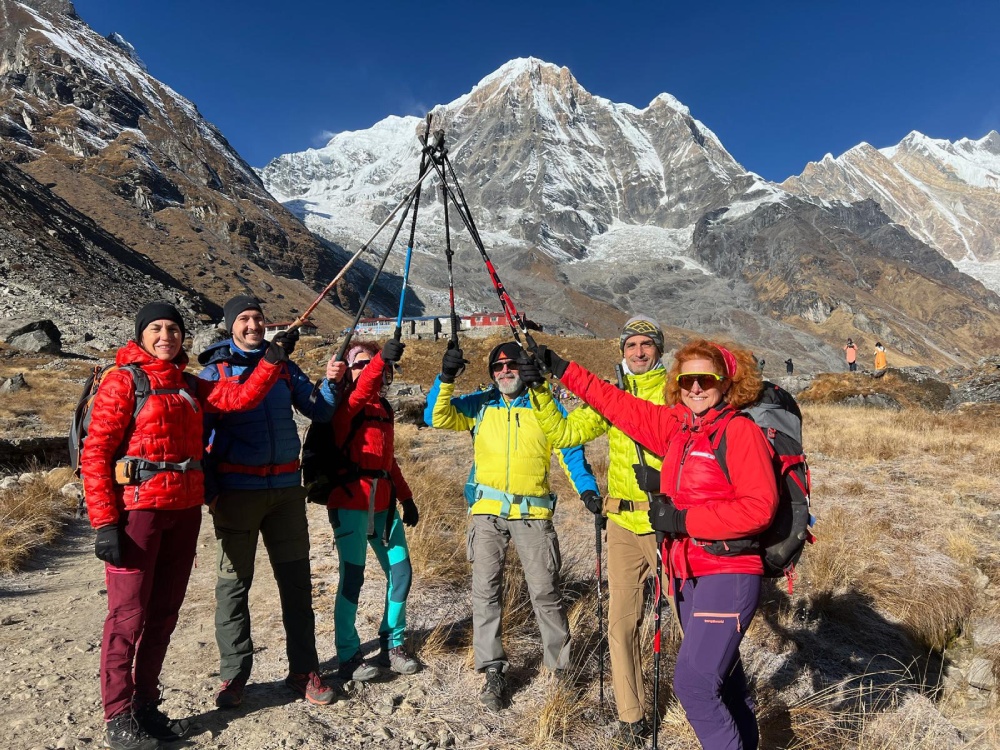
717,438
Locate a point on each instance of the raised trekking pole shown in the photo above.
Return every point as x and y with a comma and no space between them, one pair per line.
657,588
598,528
426,147
326,290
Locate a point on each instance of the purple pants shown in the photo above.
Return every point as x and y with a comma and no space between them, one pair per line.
709,681
144,596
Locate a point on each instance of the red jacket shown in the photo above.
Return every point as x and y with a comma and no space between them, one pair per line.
716,508
168,428
371,448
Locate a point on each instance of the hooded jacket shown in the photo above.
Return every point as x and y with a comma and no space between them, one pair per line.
259,448
168,428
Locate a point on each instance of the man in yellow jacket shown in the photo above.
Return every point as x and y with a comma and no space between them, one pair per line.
509,500
631,541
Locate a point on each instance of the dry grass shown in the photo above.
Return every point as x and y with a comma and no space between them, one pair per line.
32,516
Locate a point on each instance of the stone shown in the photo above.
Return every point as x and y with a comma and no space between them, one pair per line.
41,336
14,384
981,674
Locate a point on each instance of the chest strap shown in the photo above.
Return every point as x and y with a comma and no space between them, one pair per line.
139,470
507,499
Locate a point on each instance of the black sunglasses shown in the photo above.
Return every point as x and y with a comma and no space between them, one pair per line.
510,364
360,364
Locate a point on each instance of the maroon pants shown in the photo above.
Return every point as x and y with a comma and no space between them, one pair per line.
144,596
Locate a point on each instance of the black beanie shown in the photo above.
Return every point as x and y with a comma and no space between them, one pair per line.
157,310
508,349
239,303
642,325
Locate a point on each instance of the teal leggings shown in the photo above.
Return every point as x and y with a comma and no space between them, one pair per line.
350,529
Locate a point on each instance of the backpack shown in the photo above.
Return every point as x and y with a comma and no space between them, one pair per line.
84,412
778,416
327,465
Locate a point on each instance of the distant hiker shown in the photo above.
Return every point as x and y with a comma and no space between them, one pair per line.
144,489
789,367
716,592
631,542
254,489
362,511
851,355
509,498
880,362
762,366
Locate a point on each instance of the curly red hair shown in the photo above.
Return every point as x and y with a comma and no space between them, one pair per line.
745,385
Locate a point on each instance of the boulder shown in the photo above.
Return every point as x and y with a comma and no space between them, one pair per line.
40,336
13,384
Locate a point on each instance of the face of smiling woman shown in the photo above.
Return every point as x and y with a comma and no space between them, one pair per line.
705,392
162,339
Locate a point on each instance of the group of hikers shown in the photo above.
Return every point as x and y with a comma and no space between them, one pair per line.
851,356
162,443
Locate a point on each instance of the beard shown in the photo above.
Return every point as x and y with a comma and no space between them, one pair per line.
510,386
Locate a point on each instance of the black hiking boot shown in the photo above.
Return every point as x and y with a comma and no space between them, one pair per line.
635,733
159,725
492,696
126,733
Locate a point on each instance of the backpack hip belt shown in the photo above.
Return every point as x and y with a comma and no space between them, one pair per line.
135,470
267,470
524,502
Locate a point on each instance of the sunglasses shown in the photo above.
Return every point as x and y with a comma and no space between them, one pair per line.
498,366
360,364
705,380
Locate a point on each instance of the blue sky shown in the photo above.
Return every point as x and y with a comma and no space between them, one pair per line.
781,83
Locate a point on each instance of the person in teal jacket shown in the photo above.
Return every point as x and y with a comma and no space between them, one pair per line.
631,541
509,498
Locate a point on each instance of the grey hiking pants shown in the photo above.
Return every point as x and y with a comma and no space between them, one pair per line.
279,516
538,548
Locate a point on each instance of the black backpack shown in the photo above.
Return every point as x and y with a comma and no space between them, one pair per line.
778,416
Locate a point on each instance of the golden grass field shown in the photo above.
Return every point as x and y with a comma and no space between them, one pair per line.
908,559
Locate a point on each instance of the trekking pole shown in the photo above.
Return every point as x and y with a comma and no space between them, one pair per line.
326,290
598,527
442,165
449,255
657,588
398,334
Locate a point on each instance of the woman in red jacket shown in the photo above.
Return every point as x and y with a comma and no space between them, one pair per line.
709,519
143,483
362,509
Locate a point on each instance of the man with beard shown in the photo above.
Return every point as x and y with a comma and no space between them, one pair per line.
509,499
631,541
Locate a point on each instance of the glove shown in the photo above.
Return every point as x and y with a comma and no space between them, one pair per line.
556,364
647,478
663,516
410,513
107,546
276,352
392,351
592,501
287,340
531,374
452,363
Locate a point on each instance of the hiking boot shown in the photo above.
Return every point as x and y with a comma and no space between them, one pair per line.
398,661
126,733
230,693
311,687
159,725
634,734
356,669
492,696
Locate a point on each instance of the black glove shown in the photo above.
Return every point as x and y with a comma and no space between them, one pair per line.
531,374
287,340
392,351
107,546
452,363
647,478
663,516
276,352
410,515
556,364
592,501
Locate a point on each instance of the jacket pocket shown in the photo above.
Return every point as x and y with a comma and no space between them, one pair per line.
470,543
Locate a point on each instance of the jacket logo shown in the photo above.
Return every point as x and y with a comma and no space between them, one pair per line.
703,454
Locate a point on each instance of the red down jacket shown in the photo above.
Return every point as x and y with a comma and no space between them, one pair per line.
168,428
718,510
371,447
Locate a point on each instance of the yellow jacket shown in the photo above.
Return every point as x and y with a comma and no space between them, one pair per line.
584,424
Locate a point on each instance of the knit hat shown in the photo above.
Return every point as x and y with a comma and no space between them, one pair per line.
157,310
507,350
641,325
239,303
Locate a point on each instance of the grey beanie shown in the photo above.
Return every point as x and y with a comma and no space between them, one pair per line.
641,325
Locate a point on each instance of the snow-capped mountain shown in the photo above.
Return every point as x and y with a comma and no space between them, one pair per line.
598,208
946,194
